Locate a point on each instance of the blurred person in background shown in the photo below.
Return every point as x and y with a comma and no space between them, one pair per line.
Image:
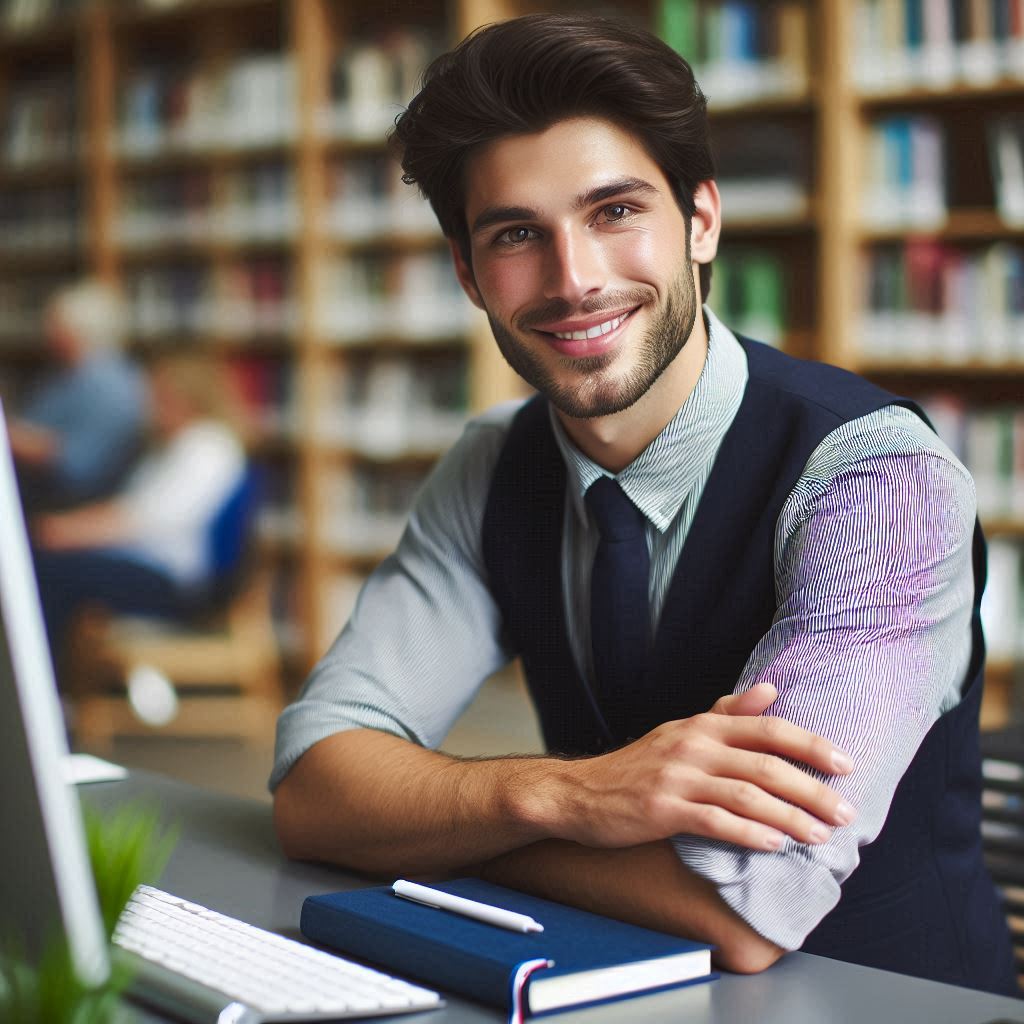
148,549
77,435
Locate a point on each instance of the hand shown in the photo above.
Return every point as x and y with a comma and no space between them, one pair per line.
721,775
51,532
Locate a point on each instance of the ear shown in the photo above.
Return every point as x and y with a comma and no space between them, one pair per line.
464,272
706,223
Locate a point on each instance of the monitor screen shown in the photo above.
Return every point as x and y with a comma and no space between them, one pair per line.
46,883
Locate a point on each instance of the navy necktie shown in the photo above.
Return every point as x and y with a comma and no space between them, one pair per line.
620,618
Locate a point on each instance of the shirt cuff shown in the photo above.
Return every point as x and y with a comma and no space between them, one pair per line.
783,896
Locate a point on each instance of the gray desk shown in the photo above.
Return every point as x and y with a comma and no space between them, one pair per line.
227,858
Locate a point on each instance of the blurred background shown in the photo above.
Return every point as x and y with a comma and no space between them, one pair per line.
213,177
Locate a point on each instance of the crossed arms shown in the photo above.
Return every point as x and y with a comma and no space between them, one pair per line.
596,831
589,831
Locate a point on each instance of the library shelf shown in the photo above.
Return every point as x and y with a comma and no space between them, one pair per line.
176,158
54,33
32,260
1009,528
205,250
814,255
40,173
941,374
410,458
802,103
129,15
957,92
960,225
390,242
768,223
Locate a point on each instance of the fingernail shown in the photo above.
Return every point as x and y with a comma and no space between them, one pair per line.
819,833
844,814
841,762
773,841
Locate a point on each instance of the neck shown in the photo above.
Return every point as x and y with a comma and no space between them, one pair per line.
613,442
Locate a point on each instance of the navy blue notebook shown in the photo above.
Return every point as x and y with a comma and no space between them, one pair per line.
579,957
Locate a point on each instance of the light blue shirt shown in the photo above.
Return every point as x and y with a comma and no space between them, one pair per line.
869,645
98,410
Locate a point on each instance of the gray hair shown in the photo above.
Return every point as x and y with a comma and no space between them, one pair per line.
94,312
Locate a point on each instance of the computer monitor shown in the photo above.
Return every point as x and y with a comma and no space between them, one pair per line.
46,884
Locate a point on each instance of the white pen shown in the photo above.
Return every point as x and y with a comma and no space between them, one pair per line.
467,908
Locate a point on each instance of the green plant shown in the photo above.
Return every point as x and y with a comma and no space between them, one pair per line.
126,847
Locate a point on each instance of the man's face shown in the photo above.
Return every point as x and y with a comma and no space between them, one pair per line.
581,260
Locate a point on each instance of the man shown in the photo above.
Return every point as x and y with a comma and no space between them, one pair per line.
79,432
684,530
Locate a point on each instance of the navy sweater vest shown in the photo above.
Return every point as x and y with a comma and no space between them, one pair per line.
921,901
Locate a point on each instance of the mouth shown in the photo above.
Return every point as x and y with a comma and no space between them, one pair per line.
586,338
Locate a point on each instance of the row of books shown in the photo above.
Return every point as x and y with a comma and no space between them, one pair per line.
40,220
1006,156
410,295
763,169
748,292
40,121
249,204
905,173
171,107
21,15
932,302
245,299
367,198
1002,606
990,442
937,43
22,304
390,407
371,80
365,508
740,50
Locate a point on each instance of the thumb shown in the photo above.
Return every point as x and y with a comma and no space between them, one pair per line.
750,702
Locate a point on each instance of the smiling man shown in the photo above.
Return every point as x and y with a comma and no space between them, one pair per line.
744,588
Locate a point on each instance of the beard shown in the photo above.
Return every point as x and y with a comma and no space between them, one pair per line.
598,391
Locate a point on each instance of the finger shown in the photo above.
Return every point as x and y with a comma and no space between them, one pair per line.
751,702
772,735
780,794
713,821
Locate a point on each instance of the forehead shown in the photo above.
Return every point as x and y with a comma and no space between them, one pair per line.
546,170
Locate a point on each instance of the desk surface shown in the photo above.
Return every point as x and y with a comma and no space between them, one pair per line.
228,859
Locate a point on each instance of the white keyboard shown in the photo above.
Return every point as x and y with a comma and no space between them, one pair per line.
206,967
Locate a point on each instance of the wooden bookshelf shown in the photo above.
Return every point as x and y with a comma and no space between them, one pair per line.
819,252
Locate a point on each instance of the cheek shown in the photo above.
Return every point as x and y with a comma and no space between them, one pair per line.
506,284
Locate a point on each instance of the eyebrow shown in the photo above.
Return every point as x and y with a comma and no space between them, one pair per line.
492,215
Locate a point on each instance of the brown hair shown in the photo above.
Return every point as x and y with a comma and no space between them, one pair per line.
523,75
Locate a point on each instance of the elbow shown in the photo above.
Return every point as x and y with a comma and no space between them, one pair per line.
303,833
746,953
292,836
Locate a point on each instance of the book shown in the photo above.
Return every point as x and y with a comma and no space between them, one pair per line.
580,958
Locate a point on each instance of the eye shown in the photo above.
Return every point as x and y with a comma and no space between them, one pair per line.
616,212
515,236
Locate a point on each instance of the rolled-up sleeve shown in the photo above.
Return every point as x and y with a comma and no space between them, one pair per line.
869,646
425,631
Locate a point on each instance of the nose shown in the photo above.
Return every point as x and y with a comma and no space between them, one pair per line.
575,266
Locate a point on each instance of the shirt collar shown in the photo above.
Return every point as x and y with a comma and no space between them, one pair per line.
659,479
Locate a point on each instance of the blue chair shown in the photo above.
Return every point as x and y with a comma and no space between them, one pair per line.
223,666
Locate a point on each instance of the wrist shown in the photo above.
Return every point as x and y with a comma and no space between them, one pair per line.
540,797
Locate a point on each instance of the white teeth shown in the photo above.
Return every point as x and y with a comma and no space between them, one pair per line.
593,332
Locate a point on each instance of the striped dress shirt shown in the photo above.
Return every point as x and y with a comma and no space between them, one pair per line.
868,647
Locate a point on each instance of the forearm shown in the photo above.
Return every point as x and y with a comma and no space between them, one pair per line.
645,885
378,803
99,525
382,805
32,445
